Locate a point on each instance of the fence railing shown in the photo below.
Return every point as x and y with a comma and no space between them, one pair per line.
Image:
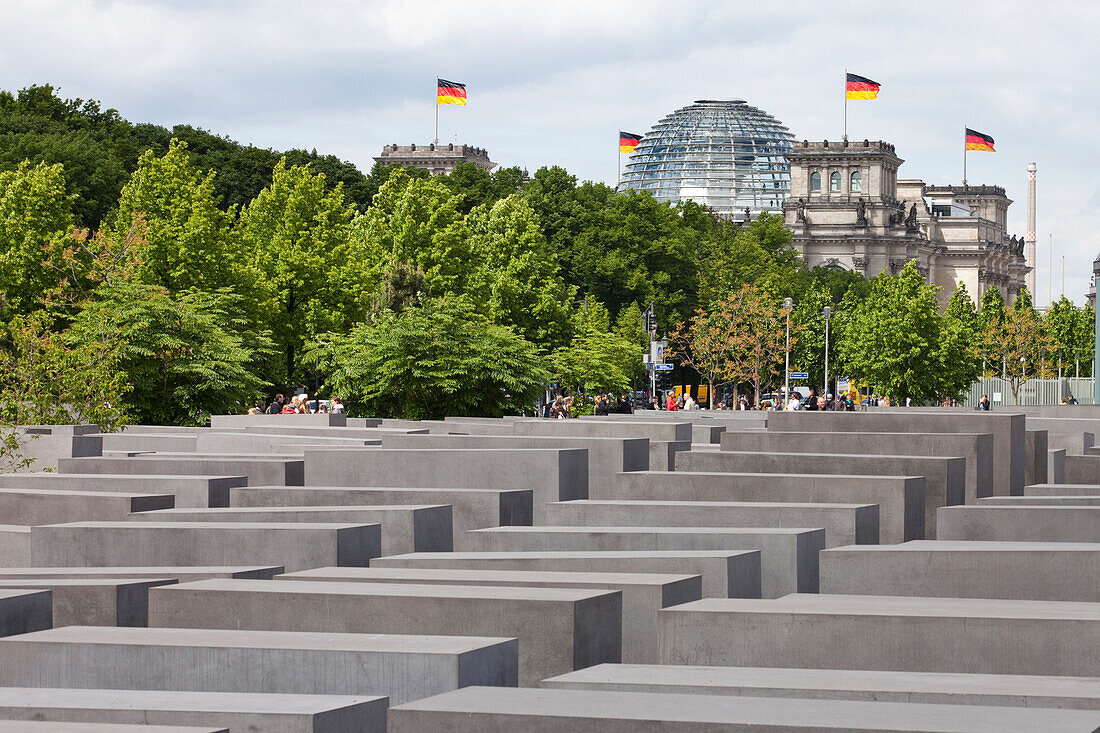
1032,392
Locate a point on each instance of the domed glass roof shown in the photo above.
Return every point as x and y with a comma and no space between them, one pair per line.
725,154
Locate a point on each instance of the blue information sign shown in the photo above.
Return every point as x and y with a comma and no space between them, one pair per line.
800,375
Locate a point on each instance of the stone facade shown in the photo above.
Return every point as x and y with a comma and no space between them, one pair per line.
436,159
849,210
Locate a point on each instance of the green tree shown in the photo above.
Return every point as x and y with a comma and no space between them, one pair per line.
732,254
1017,342
35,224
187,242
1071,331
299,235
513,274
596,359
416,221
180,353
960,314
756,340
897,340
45,380
431,360
991,309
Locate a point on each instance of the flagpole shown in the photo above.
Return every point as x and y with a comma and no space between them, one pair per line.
964,156
846,104
619,170
436,140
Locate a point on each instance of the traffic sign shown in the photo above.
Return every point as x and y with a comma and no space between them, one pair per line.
800,375
663,367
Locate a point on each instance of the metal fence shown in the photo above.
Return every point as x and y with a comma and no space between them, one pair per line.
1032,392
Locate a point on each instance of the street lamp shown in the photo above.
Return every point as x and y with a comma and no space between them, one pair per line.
827,312
787,303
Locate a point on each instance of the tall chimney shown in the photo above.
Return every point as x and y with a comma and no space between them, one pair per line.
1029,249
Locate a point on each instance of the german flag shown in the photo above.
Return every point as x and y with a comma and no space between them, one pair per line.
979,141
628,141
860,87
450,92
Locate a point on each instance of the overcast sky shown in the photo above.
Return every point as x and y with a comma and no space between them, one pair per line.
551,83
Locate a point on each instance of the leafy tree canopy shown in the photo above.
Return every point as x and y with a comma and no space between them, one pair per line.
439,358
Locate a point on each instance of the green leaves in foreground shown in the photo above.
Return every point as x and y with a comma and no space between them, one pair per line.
436,359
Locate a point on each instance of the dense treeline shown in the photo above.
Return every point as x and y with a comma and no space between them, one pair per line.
203,274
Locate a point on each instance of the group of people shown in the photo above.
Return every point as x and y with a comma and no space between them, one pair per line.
299,404
824,403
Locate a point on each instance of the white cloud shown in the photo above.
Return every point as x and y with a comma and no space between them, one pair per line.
552,83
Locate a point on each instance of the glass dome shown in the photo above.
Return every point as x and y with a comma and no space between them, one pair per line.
725,154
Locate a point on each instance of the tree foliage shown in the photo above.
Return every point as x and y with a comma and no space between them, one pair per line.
897,341
183,354
430,360
1018,343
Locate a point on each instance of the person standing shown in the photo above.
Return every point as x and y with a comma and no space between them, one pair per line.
670,403
983,404
811,401
276,405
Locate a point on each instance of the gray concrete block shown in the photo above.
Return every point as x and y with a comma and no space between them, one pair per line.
214,660
1021,523
662,453
603,428
1040,571
938,688
725,574
259,470
643,594
1056,467
1035,465
844,524
41,506
128,440
22,611
551,474
1082,469
47,445
225,442
482,710
320,420
295,546
1063,490
15,545
559,629
251,712
900,499
94,601
1009,442
606,456
181,573
1064,500
909,633
417,528
24,726
470,508
976,448
944,477
190,491
788,556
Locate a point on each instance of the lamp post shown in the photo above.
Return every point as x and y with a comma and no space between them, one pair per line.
827,312
787,303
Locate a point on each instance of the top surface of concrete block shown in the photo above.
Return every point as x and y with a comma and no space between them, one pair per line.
248,639
320,588
38,726
1000,689
475,708
502,577
831,605
182,701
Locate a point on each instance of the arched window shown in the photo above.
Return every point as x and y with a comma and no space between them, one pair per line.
834,182
815,181
857,182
